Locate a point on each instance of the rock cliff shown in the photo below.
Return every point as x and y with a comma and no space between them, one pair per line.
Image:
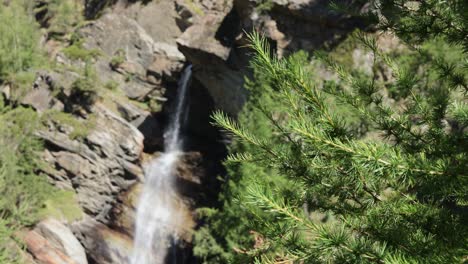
142,47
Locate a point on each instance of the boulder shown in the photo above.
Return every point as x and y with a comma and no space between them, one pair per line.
62,239
38,98
40,95
43,251
5,91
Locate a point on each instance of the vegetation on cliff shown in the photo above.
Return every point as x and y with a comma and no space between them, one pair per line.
26,194
23,191
306,185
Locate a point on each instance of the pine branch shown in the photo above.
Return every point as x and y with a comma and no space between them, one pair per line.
357,150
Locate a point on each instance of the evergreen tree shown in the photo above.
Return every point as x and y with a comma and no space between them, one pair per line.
396,195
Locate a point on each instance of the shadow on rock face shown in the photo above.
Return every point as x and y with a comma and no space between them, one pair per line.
103,245
229,29
151,128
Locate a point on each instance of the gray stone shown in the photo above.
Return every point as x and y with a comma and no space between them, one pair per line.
39,98
5,91
147,42
99,167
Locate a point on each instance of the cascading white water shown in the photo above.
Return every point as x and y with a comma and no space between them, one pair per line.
157,213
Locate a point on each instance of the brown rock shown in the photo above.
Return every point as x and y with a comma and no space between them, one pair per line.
62,239
43,251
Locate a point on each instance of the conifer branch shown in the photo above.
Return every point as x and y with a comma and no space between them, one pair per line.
338,145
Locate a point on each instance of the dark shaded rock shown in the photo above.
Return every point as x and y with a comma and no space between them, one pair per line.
103,245
216,63
303,24
124,212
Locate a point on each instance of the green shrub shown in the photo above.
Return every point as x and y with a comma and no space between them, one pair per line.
62,205
264,5
228,232
84,90
111,85
80,128
60,16
76,51
117,59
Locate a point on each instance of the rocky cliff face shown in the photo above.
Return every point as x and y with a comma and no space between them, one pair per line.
142,47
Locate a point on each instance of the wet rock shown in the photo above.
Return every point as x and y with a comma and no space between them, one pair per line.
123,214
188,184
103,245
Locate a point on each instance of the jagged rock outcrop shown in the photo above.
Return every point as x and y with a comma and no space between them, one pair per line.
139,46
98,167
298,24
208,44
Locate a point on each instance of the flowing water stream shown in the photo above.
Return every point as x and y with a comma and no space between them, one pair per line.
157,213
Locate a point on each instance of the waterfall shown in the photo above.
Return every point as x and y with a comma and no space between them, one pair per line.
157,212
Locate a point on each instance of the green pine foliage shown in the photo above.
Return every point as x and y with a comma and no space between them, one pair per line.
23,191
215,243
84,90
19,42
76,51
60,16
421,20
395,193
